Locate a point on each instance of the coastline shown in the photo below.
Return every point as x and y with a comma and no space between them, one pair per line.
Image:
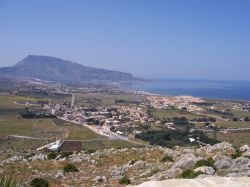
229,93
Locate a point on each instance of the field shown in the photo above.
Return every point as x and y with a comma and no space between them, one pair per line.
170,113
228,124
231,124
47,129
94,100
236,139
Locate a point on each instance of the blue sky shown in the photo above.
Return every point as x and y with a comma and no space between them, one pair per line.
180,39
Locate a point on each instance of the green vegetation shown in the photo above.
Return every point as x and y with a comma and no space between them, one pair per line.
70,168
189,174
237,154
90,151
170,138
171,113
8,181
237,139
65,154
76,132
39,182
167,159
124,180
52,156
232,124
97,99
209,162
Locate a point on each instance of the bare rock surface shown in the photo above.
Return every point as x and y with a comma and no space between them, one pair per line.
200,182
205,170
223,147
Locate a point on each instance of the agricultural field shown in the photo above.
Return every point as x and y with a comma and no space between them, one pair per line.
236,139
46,130
76,132
98,99
170,113
232,124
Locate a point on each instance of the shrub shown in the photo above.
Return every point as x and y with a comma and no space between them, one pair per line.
70,168
237,154
189,174
52,156
167,159
66,154
209,162
124,180
8,181
90,151
39,182
131,162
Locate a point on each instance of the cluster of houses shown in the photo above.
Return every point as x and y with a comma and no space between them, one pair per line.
242,106
117,118
180,102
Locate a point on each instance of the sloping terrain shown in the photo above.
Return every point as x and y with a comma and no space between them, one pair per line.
59,70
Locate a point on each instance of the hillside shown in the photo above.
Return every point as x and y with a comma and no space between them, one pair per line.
59,70
213,166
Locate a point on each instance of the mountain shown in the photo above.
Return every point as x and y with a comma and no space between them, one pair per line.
55,69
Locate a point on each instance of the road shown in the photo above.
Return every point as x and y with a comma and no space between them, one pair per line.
26,137
106,132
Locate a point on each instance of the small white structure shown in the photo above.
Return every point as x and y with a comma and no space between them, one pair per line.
119,132
54,146
191,140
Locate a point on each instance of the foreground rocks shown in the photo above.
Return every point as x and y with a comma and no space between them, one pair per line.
204,182
106,167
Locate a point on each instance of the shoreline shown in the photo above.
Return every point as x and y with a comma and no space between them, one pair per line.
164,95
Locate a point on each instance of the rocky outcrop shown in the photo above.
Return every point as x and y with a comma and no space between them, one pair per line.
205,170
240,164
200,182
139,165
222,161
186,161
223,148
106,167
245,148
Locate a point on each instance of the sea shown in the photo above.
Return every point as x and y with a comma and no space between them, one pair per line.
229,90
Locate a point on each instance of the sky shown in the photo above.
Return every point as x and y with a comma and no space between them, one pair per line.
175,39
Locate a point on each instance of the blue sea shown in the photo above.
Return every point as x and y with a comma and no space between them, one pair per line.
233,90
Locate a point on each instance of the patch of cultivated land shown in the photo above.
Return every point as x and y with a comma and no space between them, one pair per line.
237,139
76,132
97,99
231,124
170,113
40,128
11,124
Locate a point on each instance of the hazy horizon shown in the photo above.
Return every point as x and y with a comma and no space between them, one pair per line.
199,40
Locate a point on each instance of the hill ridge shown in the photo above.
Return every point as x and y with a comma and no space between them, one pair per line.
56,69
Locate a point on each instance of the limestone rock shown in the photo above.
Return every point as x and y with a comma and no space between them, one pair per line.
170,152
186,161
240,164
223,147
222,161
200,182
205,170
139,165
59,174
245,148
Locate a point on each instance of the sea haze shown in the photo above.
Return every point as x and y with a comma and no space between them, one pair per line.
233,90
